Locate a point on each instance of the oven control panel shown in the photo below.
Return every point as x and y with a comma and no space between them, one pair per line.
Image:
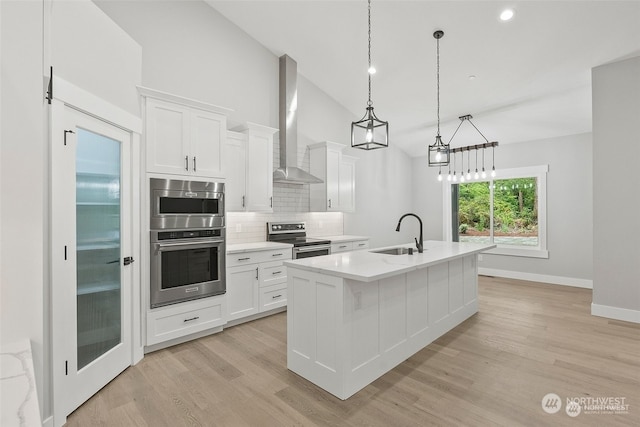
188,234
286,227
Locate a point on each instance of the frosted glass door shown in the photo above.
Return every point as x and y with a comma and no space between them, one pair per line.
98,245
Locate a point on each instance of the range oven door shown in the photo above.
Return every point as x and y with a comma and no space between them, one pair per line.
177,204
311,251
186,270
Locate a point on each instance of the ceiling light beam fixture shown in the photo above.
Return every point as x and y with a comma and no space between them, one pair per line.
370,133
438,152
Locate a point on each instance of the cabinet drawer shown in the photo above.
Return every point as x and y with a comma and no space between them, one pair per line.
272,273
273,297
360,244
341,247
244,258
183,319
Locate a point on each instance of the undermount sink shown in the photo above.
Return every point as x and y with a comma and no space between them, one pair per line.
393,251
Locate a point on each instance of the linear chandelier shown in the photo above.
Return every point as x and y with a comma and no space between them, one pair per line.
370,133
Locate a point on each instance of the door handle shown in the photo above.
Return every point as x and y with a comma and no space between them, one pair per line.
128,260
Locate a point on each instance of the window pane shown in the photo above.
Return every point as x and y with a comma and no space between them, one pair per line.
515,212
473,212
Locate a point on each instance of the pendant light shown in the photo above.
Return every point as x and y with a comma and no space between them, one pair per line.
438,152
370,133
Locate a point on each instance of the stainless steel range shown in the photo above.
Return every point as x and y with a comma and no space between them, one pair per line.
295,233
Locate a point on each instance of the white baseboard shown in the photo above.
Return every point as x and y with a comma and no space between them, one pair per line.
532,277
616,313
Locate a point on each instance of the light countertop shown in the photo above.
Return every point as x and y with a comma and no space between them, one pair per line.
256,246
18,386
342,238
366,266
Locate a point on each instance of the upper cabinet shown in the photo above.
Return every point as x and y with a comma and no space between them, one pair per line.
248,167
338,171
183,137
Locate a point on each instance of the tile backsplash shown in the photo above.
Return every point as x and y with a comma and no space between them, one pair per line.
291,197
249,227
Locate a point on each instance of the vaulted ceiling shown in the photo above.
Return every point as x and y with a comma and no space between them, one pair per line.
532,74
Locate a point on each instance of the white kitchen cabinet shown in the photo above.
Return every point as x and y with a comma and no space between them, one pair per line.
182,139
243,297
235,170
337,192
346,246
179,320
256,282
249,169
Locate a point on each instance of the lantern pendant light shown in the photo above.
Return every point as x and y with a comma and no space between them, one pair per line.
439,151
370,133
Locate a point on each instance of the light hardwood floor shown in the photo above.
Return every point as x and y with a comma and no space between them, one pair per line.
528,339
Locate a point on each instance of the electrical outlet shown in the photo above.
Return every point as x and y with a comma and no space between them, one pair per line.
357,301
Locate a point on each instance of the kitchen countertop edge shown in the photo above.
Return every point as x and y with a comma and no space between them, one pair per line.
238,248
338,265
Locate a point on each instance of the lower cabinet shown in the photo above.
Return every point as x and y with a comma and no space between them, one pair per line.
258,286
242,291
179,320
349,246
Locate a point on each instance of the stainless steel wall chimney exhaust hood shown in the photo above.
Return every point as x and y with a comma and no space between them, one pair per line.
288,172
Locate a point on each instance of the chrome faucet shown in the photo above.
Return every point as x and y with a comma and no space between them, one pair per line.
418,242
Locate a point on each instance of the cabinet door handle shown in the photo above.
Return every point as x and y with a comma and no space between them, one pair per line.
277,254
244,259
243,201
276,272
186,162
342,246
329,202
194,163
276,296
360,244
256,273
271,201
191,319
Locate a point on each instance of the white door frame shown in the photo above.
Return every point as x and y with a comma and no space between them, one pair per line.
67,95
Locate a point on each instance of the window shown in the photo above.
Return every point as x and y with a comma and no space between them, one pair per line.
508,210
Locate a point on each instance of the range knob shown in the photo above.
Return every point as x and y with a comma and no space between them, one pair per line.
299,225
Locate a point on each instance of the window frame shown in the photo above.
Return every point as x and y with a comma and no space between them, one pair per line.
538,172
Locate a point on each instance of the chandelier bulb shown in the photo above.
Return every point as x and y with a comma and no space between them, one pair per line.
449,177
369,136
461,178
371,70
438,156
493,172
440,176
468,174
484,174
455,178
476,175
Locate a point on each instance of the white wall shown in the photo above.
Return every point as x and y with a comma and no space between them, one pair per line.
616,150
191,50
88,50
23,171
569,206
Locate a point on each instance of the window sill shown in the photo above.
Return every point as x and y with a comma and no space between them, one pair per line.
519,251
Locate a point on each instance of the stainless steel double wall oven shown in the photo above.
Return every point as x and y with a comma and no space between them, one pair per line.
187,240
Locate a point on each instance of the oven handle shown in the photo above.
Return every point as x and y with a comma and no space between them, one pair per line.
311,249
160,247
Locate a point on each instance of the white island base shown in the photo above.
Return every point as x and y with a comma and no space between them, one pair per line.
342,333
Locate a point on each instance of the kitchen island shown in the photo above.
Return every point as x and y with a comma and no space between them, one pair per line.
354,316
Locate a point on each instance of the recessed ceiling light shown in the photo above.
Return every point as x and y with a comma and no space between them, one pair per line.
472,77
506,15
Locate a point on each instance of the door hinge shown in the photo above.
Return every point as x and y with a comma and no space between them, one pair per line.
128,260
65,135
66,367
49,96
